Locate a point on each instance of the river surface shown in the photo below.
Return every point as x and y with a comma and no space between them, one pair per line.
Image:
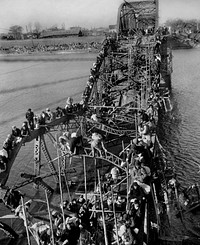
43,81
181,127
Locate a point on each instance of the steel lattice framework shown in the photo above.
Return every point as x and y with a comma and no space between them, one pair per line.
132,16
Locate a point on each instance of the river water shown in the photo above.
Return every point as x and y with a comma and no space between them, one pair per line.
43,81
181,127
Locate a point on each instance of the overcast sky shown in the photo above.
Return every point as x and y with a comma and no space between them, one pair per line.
84,13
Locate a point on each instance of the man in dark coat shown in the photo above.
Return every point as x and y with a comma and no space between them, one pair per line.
16,131
30,118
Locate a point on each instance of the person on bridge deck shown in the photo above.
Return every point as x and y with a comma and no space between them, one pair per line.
9,144
136,192
69,105
144,132
115,174
25,130
30,118
120,204
143,117
19,212
94,117
50,115
41,232
140,175
135,148
41,120
157,46
135,218
57,218
81,200
64,141
150,111
75,143
3,164
97,144
3,160
60,112
16,132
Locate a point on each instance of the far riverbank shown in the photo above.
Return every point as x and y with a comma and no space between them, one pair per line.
51,45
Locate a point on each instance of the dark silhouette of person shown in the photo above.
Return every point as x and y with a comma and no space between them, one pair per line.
30,118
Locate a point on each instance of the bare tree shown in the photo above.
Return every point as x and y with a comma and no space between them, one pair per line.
184,26
63,26
37,29
30,27
16,31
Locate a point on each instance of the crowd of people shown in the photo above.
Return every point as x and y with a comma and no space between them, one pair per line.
137,159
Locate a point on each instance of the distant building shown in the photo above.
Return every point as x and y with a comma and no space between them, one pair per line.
99,31
59,33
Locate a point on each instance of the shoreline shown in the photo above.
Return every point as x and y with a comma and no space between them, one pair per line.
47,53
